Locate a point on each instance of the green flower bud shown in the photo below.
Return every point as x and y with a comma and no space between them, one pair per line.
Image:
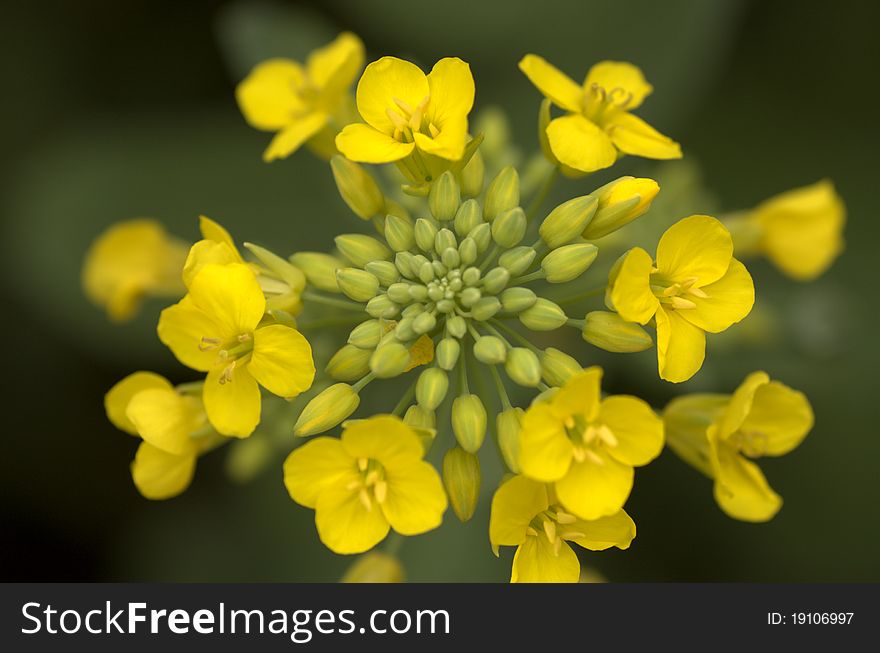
468,217
611,332
385,271
418,292
375,567
467,251
450,258
413,310
361,249
288,273
568,262
543,315
389,360
319,268
502,194
404,329
490,350
435,292
516,300
461,478
426,272
350,363
509,227
509,425
486,308
366,335
446,305
469,422
472,176
495,280
456,326
406,265
470,296
523,367
357,284
399,292
482,235
439,269
395,208
447,352
357,188
431,388
247,457
425,231
424,323
382,306
471,276
399,233
424,423
620,202
568,220
557,367
518,259
444,239
328,409
444,197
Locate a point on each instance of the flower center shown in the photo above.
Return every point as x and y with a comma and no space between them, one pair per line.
588,437
554,524
676,294
229,354
600,104
408,120
370,484
751,442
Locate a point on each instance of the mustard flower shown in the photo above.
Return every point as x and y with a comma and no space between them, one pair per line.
598,126
721,434
696,286
218,328
527,515
303,103
587,446
131,260
365,483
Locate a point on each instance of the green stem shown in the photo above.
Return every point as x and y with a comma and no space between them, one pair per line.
329,322
522,340
499,385
490,257
542,194
404,400
332,301
393,543
577,324
526,278
362,383
462,370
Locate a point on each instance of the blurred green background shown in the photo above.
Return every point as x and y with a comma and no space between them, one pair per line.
117,110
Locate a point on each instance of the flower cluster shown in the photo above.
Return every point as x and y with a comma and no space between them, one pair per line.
464,270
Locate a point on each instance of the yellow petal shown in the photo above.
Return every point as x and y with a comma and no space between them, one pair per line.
552,82
698,247
451,86
579,396
449,143
332,68
117,399
580,144
207,252
637,429
610,75
741,489
632,135
631,294
166,419
233,407
596,487
362,143
268,96
213,230
231,295
290,138
681,347
385,438
599,534
537,561
181,329
516,502
545,450
317,464
383,84
727,302
282,360
158,474
740,404
344,523
415,501
778,421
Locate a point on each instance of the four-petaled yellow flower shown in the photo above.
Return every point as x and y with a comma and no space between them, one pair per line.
407,111
129,261
720,434
217,328
172,425
527,515
370,480
598,126
304,104
696,286
587,446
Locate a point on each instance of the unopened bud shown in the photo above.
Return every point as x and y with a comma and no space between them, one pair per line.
543,315
482,235
399,292
361,249
357,188
518,259
467,251
385,271
424,323
425,231
468,216
382,306
444,197
444,240
288,273
509,425
424,423
502,194
496,280
328,409
450,258
518,299
523,367
568,220
399,233
472,176
461,477
470,296
350,363
389,360
357,284
469,422
471,276
611,332
621,202
557,367
456,326
319,268
509,227
431,388
568,262
447,353
485,308
366,335
490,350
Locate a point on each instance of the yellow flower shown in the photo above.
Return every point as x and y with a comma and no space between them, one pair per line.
216,328
173,428
370,480
129,261
406,111
303,104
696,286
587,446
527,515
800,231
720,434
